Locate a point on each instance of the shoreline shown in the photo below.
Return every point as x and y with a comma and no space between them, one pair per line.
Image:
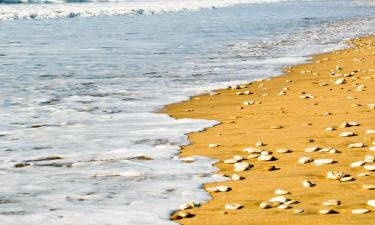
267,115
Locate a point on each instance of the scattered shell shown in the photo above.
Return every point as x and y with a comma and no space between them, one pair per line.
213,145
283,150
281,192
249,103
259,143
312,149
252,150
356,145
345,179
335,175
236,177
307,183
281,199
340,81
357,164
230,161
370,131
214,93
369,186
371,203
347,134
363,174
188,205
369,158
369,167
266,158
360,211
241,166
283,206
222,188
298,210
320,162
372,148
330,129
265,205
304,160
233,206
253,155
327,211
331,202
353,123
276,127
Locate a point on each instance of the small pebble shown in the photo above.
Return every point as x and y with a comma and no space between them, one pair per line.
233,206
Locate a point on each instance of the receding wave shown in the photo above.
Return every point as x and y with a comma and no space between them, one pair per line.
49,9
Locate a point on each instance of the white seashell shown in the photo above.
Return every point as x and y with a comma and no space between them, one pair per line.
344,124
357,164
304,160
370,131
214,93
340,81
236,177
353,123
213,145
283,151
290,202
281,199
360,211
222,188
266,158
356,145
331,202
281,192
307,183
254,155
283,206
330,129
345,179
372,148
312,149
265,205
371,203
335,175
347,134
369,158
230,161
252,150
363,174
265,153
320,162
233,206
241,166
189,205
238,157
298,210
249,103
327,211
369,167
369,186
259,143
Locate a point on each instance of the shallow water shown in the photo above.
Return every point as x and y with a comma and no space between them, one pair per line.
86,89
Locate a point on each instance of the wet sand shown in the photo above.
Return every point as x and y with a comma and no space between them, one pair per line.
292,112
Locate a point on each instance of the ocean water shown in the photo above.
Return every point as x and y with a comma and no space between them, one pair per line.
81,84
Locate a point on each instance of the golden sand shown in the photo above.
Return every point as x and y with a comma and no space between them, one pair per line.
303,123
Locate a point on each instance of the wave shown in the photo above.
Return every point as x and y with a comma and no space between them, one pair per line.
50,9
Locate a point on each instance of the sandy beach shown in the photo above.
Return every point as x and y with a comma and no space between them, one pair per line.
306,136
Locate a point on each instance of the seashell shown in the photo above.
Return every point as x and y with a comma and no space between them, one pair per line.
356,145
283,206
249,103
327,211
241,166
252,150
347,134
357,164
370,131
214,93
254,155
283,151
266,158
371,106
188,205
330,129
233,206
236,177
371,203
281,199
281,192
307,183
369,167
312,149
259,144
345,179
183,214
222,188
369,186
304,160
320,162
353,123
276,127
360,211
331,202
298,210
340,81
335,175
369,158
213,145
265,205
363,174
238,157
230,161
372,148
290,202
265,153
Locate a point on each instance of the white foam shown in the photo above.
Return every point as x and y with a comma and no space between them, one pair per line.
111,8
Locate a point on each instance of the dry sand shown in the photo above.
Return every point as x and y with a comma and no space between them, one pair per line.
303,123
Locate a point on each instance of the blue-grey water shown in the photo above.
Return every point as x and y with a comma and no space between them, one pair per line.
84,88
